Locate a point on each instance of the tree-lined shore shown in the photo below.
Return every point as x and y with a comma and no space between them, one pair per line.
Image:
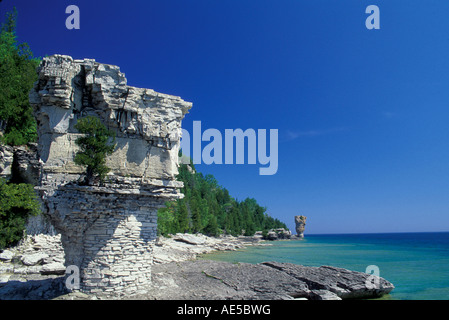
208,208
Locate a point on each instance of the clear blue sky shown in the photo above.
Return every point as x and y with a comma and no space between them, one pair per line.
363,115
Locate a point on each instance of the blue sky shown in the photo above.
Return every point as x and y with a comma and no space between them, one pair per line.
362,114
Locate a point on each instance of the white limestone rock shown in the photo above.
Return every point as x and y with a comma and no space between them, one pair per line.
33,259
6,256
109,227
147,124
6,160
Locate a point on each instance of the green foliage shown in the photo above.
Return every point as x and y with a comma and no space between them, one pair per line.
18,201
17,76
18,126
97,143
208,208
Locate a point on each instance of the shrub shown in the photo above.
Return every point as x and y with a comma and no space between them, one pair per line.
95,145
18,202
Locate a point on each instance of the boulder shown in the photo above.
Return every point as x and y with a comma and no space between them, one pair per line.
272,235
344,283
6,256
4,278
56,268
6,161
33,259
189,238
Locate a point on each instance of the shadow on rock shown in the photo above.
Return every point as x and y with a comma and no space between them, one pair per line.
42,289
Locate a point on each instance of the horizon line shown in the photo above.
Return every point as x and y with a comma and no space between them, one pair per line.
355,233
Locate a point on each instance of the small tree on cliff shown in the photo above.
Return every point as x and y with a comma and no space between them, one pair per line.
97,143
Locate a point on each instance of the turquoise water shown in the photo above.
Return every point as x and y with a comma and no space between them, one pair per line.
416,263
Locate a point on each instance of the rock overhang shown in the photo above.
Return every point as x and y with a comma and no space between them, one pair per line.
107,230
147,124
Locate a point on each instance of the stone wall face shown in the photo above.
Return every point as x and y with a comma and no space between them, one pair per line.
114,251
107,231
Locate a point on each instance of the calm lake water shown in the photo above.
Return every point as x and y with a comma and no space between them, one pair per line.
416,263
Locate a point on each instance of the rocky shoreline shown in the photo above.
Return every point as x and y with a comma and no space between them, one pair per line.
34,270
184,247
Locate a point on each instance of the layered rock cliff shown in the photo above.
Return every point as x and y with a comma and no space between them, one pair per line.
107,231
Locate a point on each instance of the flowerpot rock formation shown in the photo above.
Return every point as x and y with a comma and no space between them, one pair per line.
300,222
107,231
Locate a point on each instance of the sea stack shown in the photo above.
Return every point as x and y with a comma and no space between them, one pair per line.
300,222
107,230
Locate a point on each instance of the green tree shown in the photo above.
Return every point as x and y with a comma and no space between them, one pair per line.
97,143
17,76
208,208
211,228
167,222
183,217
18,202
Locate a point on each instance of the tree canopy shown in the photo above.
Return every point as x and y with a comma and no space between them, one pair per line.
17,127
17,76
18,201
208,208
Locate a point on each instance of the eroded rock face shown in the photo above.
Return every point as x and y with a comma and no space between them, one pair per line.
107,231
6,160
300,222
147,124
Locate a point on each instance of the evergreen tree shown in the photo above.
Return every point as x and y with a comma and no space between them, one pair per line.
208,208
95,145
183,217
18,202
17,76
211,228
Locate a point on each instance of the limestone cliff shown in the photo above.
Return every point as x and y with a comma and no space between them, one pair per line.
147,124
107,231
300,222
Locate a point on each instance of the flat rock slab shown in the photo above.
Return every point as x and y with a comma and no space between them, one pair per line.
204,279
190,239
344,283
215,280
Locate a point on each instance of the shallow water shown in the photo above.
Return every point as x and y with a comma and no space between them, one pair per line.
416,263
